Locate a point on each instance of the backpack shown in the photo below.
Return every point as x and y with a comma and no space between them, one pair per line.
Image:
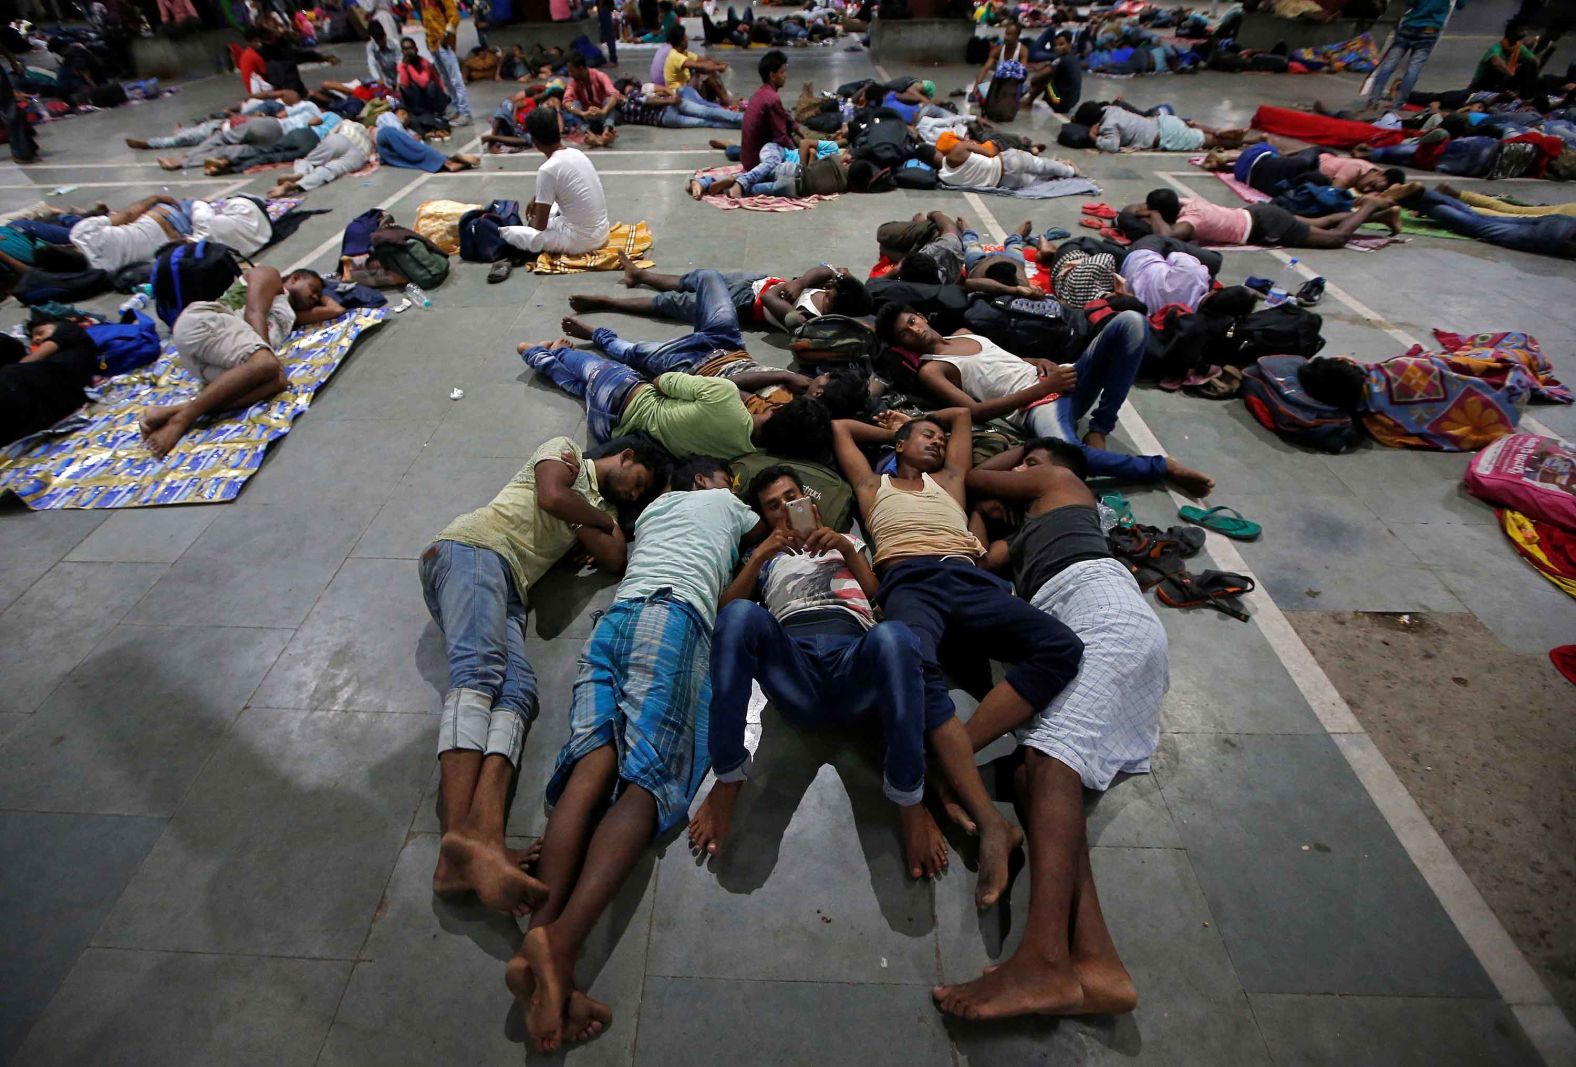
1283,330
977,51
1041,329
832,339
1314,199
186,273
1001,100
415,259
125,346
1530,474
358,232
1274,394
886,142
480,241
921,177
586,47
824,177
822,484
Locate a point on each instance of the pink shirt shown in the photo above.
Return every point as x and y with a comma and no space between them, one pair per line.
1344,171
1215,225
596,96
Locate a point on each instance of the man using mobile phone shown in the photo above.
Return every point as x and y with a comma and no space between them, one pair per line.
814,645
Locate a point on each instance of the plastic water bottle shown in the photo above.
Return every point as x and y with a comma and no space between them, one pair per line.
417,297
1278,294
141,299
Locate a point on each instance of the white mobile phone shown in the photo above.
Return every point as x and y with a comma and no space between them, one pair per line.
801,515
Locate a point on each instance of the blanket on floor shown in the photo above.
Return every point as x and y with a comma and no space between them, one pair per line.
631,238
1322,129
1544,545
96,459
755,203
1048,189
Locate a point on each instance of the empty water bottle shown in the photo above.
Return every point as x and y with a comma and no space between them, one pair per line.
1279,294
417,297
141,299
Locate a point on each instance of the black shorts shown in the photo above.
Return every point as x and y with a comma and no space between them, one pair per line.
1276,227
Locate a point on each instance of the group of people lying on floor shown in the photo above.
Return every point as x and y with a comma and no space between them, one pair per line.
732,574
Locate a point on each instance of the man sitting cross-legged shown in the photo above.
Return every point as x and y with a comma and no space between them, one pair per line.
757,298
476,577
926,558
1044,397
235,354
689,415
636,752
1104,723
824,661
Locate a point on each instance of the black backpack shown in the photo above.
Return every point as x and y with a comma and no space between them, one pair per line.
1037,329
887,142
186,273
1284,330
480,241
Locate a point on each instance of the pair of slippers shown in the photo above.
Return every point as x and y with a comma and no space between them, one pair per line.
1156,560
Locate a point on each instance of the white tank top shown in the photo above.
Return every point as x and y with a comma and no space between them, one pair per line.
975,172
994,373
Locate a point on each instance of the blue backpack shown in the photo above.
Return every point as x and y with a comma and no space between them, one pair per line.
480,241
186,273
126,345
1273,391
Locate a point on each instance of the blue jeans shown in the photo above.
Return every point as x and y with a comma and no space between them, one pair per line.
772,156
681,304
1105,374
676,117
603,384
1414,48
826,680
53,233
1548,235
694,105
974,251
453,80
716,330
492,689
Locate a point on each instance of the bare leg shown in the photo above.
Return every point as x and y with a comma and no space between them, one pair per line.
1040,977
458,771
1002,709
475,851
549,950
1107,987
630,305
250,382
1333,231
636,275
1190,481
998,837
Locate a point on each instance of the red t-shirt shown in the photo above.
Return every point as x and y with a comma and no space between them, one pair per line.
765,122
251,65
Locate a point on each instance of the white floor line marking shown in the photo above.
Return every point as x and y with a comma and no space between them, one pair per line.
598,153
1517,983
477,173
1173,178
45,188
393,198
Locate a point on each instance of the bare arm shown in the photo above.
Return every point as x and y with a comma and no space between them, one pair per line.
748,579
825,539
608,550
751,381
960,451
327,308
555,494
846,437
263,284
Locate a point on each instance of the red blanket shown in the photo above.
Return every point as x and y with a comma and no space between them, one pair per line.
1319,130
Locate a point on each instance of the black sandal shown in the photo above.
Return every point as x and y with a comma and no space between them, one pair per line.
500,270
1210,589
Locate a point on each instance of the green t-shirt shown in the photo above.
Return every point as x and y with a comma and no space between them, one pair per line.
691,416
528,538
1485,70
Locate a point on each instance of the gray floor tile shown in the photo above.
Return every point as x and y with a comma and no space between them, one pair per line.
101,745
430,984
1131,814
1409,486
60,876
1330,553
791,1023
1311,890
810,885
1398,1031
338,459
145,535
509,421
1483,569
54,624
182,1008
322,798
257,565
335,661
439,487
35,541
1225,678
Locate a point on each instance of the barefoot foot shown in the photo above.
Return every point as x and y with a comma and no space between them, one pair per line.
953,808
585,302
1020,986
546,973
631,271
997,843
1107,987
585,1018
709,828
135,142
924,849
575,328
1189,480
1026,229
721,146
483,864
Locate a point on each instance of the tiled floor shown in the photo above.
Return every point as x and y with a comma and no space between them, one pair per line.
217,814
